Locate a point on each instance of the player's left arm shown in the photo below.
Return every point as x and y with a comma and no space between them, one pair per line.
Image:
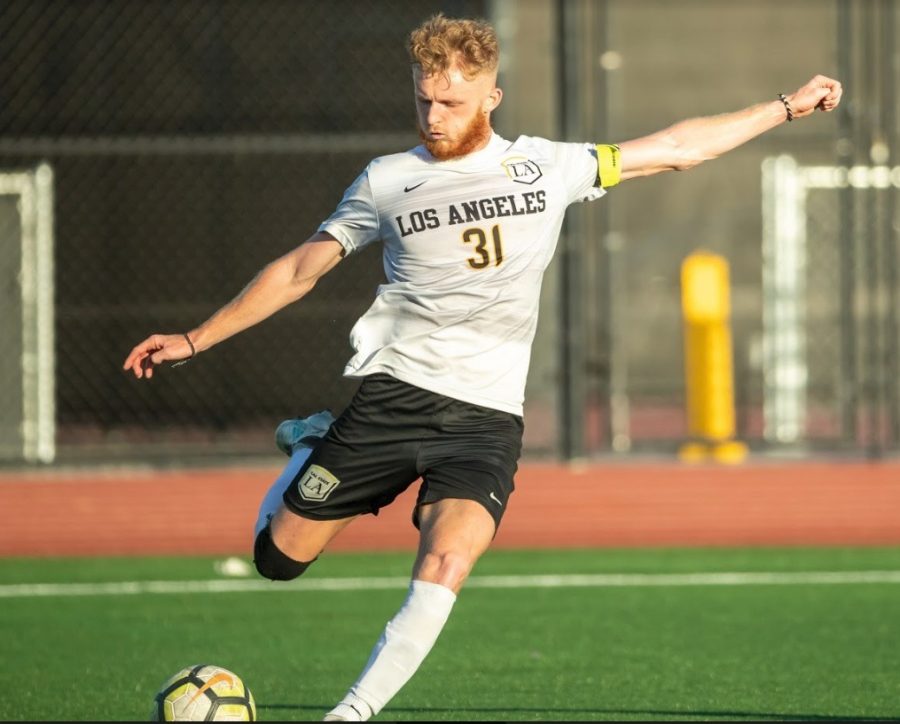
691,142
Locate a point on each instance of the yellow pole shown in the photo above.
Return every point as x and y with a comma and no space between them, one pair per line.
709,375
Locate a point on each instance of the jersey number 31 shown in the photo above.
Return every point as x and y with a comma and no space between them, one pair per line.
485,258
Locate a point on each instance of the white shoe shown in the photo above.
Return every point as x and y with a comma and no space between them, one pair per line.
302,432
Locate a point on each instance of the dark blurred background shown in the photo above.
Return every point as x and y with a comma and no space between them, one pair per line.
185,145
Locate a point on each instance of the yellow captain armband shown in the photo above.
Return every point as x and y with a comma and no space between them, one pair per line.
609,167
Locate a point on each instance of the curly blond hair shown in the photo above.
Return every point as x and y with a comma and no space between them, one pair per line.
440,42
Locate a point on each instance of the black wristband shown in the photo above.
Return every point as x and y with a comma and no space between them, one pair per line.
193,349
193,352
787,107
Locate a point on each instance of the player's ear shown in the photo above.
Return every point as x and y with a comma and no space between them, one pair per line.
492,101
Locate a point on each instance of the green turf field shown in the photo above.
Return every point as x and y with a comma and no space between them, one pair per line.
612,647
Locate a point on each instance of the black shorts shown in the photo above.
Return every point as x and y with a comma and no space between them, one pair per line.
391,435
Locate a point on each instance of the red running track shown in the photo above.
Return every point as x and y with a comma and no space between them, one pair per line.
605,505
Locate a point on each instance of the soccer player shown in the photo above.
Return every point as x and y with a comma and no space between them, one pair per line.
469,222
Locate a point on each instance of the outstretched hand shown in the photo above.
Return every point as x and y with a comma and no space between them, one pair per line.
820,93
156,349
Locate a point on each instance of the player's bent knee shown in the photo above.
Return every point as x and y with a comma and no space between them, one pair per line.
271,562
448,569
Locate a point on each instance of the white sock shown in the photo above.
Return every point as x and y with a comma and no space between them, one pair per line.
273,497
403,646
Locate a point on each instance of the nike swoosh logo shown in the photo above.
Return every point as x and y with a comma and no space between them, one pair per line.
213,680
407,189
495,498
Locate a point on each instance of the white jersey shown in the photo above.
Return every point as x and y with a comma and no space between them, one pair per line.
466,243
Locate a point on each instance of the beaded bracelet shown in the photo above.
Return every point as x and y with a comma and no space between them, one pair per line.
790,111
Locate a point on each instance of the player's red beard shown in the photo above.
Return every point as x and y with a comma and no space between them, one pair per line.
475,135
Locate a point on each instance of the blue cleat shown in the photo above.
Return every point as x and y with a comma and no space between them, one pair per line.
302,432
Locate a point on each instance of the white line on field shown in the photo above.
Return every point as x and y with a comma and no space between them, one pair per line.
600,580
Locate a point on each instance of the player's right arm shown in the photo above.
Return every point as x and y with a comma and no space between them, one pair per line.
278,284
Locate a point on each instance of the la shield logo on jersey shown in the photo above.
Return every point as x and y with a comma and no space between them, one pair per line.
522,170
316,484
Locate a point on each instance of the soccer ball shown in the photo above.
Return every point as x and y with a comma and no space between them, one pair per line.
204,693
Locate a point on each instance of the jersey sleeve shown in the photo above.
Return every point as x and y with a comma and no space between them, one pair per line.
588,169
354,222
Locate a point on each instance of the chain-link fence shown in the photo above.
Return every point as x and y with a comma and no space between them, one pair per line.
193,142
655,65
853,316
826,380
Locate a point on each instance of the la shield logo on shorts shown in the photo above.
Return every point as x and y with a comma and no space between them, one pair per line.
316,484
522,170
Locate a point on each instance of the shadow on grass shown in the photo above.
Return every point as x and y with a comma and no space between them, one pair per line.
563,713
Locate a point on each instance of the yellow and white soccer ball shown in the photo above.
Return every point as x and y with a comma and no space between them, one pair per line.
204,693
